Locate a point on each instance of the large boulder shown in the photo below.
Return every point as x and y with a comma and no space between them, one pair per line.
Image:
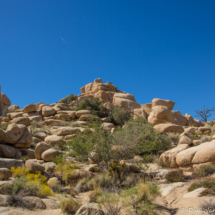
41,135
108,126
168,158
179,118
13,108
30,108
54,122
40,148
49,166
5,100
10,152
5,201
50,155
54,140
8,163
33,166
30,202
51,204
126,104
90,209
63,116
14,115
196,155
48,111
62,131
14,132
140,113
2,133
82,112
161,102
160,114
169,128
190,120
21,120
25,140
125,96
147,107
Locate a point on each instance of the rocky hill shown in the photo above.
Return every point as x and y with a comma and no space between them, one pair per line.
59,153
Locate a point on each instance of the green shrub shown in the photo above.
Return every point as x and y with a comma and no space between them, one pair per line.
174,137
206,183
175,176
69,98
118,116
203,171
65,169
4,127
139,197
93,104
102,180
138,137
110,203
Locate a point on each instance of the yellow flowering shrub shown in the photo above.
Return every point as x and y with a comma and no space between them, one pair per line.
34,183
19,172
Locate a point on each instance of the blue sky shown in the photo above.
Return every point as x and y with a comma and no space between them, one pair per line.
151,49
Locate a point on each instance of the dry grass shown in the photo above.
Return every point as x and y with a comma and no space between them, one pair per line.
68,205
175,176
204,171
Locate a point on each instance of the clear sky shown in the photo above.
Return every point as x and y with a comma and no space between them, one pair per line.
149,48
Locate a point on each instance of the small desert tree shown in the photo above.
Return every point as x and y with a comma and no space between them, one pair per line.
205,113
138,136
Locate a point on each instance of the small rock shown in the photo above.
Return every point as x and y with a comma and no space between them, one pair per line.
50,154
51,204
50,166
5,173
53,182
33,166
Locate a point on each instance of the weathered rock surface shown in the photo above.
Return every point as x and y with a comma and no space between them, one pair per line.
169,128
21,120
5,173
30,108
10,152
179,118
33,166
14,132
195,193
197,154
168,158
140,113
50,154
82,112
62,131
40,148
54,140
48,111
8,163
31,202
161,102
160,114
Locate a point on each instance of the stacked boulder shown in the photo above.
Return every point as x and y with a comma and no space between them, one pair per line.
109,95
5,102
